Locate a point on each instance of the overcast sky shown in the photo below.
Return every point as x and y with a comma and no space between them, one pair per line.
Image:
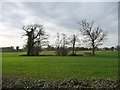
56,17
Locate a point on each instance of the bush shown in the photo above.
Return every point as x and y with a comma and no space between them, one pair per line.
62,51
25,83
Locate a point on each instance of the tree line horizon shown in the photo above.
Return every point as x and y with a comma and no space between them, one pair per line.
37,38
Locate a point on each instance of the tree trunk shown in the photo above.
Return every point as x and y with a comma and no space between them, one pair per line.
30,48
36,51
73,49
93,50
58,51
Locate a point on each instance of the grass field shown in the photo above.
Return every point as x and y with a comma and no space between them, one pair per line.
103,65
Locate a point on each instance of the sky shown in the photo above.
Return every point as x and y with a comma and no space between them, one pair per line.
56,17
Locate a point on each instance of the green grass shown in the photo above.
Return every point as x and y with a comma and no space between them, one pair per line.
103,65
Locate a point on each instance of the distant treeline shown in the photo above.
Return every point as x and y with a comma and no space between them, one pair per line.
51,48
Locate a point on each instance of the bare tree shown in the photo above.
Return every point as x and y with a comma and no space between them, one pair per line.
64,43
41,41
61,44
58,44
36,36
118,47
74,40
94,36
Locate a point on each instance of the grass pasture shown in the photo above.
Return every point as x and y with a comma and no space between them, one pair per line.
103,65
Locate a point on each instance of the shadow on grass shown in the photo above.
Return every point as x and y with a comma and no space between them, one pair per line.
50,55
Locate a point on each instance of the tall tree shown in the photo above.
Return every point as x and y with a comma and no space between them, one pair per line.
58,44
36,36
61,44
94,36
74,40
64,43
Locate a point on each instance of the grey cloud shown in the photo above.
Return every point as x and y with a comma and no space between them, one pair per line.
61,1
67,14
9,15
62,14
